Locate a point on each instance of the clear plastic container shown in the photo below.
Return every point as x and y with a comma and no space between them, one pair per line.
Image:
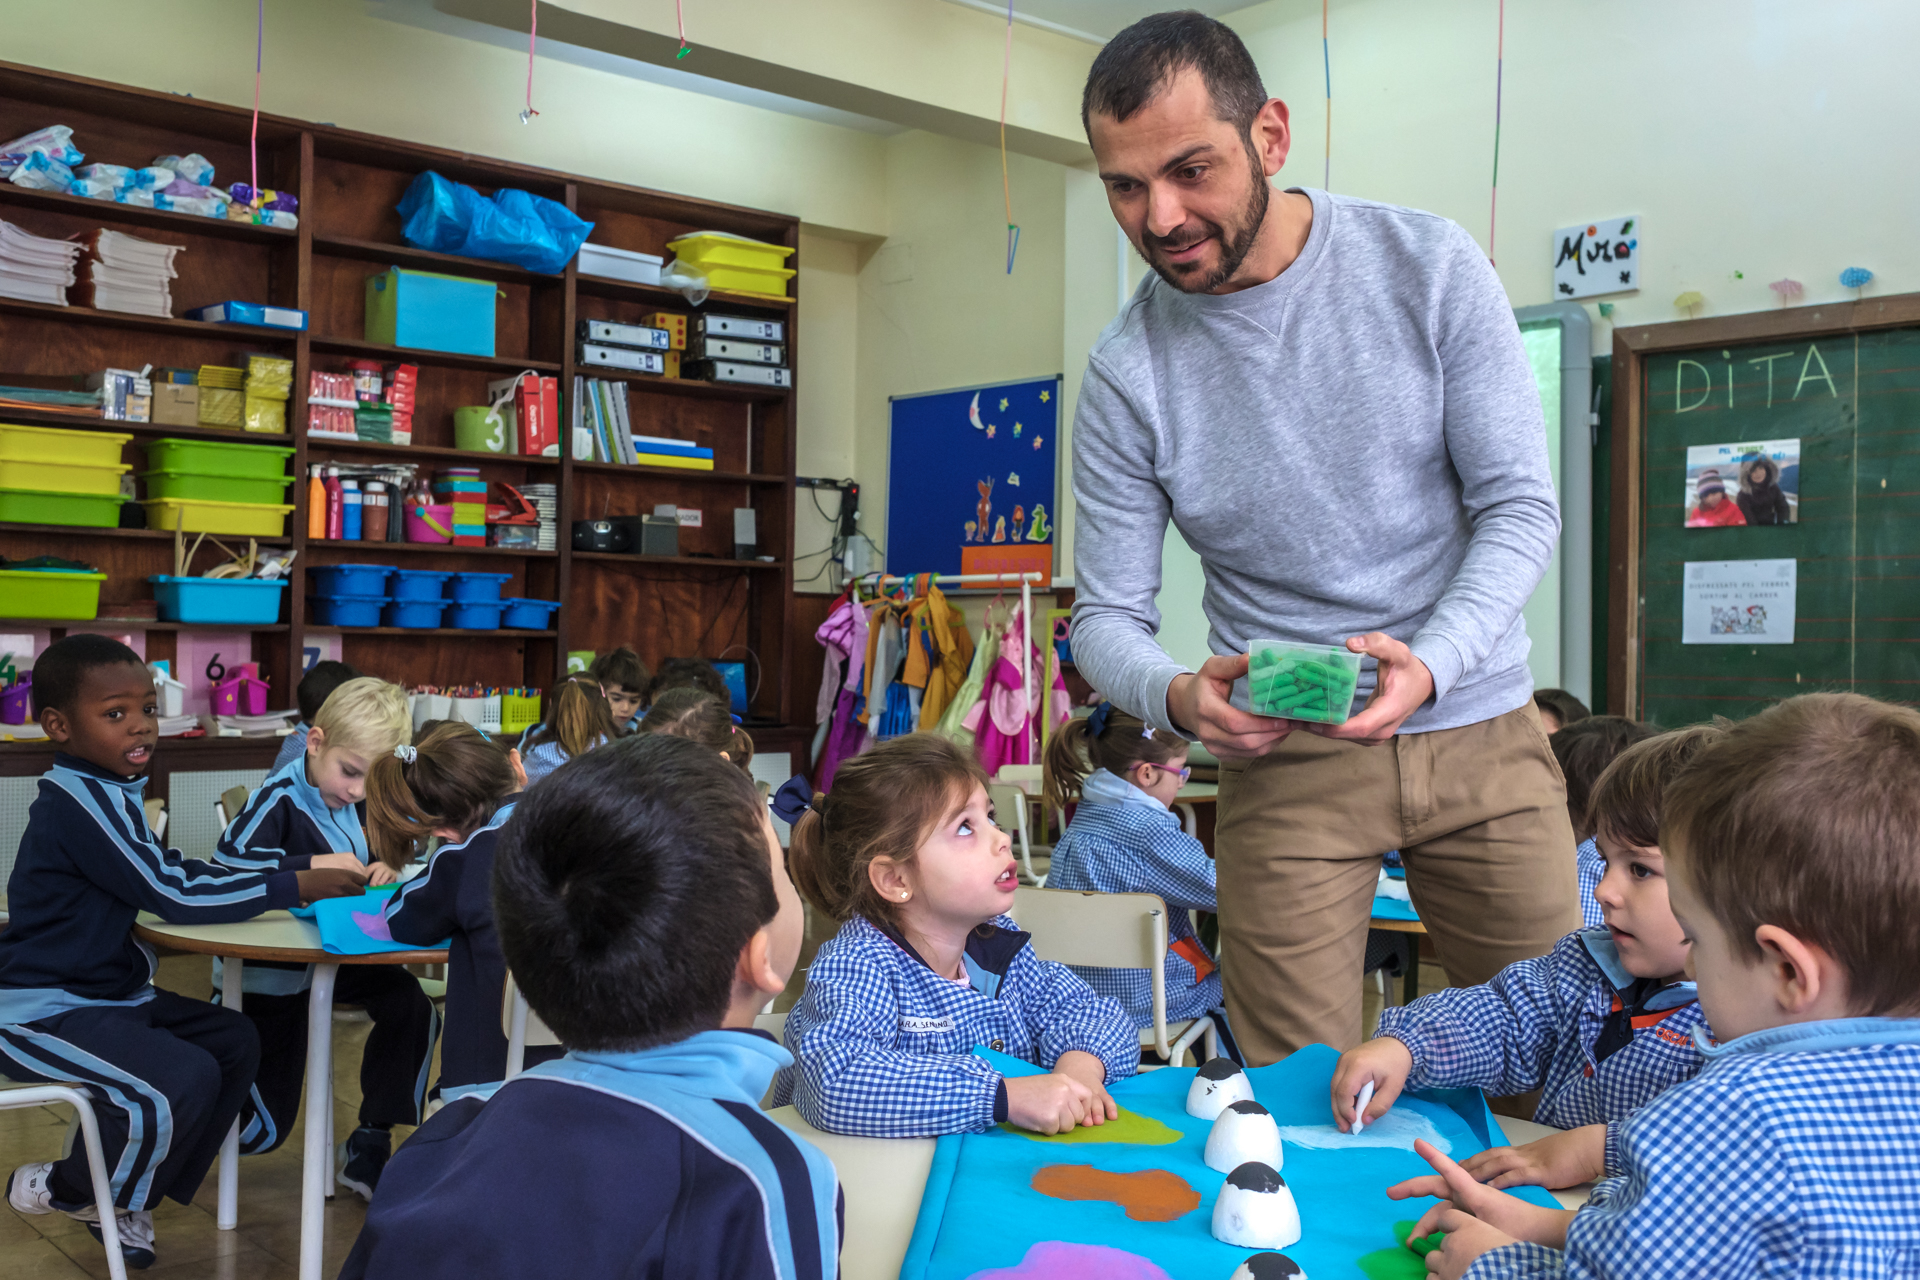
1301,681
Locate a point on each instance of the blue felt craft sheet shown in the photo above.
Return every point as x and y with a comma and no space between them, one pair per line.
982,1179
344,924
1385,908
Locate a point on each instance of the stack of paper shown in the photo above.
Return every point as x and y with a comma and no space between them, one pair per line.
275,724
124,273
34,268
174,726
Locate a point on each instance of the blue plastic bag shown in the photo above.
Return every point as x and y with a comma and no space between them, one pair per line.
515,226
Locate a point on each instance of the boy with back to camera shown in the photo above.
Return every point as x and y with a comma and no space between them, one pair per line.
644,908
166,1075
1793,847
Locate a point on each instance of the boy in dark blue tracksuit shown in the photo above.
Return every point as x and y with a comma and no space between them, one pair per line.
644,907
453,898
166,1075
309,810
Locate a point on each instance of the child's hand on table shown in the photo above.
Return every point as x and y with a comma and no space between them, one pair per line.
1386,1062
1052,1103
1558,1160
329,882
339,862
1092,1073
380,873
1476,1218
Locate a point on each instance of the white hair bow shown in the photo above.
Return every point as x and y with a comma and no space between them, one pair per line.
406,754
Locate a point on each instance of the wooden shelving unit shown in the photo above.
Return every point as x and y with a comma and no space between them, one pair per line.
703,602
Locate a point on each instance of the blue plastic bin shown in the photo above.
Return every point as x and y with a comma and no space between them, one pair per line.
431,311
346,610
419,584
474,616
413,613
477,588
349,579
249,600
528,615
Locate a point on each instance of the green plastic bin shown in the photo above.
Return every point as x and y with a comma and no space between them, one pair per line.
40,593
192,485
218,458
32,506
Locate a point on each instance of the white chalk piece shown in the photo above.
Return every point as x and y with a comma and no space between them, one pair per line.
1269,1266
1244,1132
1216,1085
1256,1210
1360,1108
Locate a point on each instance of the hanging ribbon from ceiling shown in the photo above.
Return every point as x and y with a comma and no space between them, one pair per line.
1006,183
527,113
1499,76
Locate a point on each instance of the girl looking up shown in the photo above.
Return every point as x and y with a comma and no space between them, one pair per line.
927,964
578,722
455,785
1124,838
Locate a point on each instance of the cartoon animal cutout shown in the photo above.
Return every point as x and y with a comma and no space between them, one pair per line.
1019,519
983,513
1040,531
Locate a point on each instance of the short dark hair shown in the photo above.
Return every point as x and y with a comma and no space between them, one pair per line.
621,668
1584,749
1564,705
1630,793
322,679
1807,817
60,671
688,673
1136,65
624,888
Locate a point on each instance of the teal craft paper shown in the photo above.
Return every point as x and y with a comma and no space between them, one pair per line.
1385,908
343,925
1344,1209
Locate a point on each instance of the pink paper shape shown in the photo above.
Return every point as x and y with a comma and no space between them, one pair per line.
373,924
1060,1260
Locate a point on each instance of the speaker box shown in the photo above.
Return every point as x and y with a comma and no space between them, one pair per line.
746,536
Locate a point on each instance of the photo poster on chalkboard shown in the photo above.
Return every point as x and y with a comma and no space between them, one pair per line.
973,480
1846,406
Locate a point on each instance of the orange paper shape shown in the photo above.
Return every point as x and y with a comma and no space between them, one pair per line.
1150,1195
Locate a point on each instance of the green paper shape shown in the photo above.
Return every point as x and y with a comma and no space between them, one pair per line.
1132,1127
1408,1262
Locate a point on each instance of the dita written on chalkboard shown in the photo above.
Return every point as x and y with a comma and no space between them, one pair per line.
1763,381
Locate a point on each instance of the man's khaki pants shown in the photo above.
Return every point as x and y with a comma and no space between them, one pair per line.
1479,815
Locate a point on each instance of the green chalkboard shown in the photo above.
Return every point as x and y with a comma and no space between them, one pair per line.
1853,401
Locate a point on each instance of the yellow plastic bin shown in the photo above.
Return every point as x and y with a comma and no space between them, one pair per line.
61,477
51,444
200,515
712,249
56,593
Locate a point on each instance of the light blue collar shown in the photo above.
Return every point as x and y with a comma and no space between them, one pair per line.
1599,945
334,824
1816,1037
1103,786
712,1064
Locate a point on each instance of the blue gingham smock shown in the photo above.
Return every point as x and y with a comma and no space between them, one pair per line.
1125,841
883,1044
1590,867
1534,1027
1795,1152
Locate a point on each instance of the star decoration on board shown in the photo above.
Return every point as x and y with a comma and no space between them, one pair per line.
1003,404
1045,396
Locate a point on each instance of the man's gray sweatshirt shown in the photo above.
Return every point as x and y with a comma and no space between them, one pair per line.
1356,445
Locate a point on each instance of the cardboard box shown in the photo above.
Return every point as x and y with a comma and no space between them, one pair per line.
675,325
175,405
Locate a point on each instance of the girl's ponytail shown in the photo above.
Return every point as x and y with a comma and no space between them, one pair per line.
807,862
740,748
451,780
1065,766
396,824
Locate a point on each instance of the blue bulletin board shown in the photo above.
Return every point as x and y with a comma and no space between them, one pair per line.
973,479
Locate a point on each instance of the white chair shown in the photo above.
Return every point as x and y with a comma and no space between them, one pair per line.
17,1096
523,1028
1113,931
1010,807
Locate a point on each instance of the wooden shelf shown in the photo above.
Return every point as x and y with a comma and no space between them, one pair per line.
160,220
156,534
680,473
689,562
377,549
685,386
400,452
471,633
627,291
140,624
405,255
251,334
93,422
440,359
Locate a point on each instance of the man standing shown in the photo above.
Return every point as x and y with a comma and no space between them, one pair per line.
1330,399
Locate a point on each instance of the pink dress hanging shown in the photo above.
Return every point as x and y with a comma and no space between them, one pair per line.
999,719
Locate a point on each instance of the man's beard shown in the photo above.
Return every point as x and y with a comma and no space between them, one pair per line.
1233,249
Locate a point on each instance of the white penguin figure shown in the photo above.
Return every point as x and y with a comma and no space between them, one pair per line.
1219,1081
1244,1131
1256,1210
1269,1266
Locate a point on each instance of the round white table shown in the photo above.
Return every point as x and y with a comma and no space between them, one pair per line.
276,935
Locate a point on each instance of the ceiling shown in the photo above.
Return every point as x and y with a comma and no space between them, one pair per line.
1097,21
